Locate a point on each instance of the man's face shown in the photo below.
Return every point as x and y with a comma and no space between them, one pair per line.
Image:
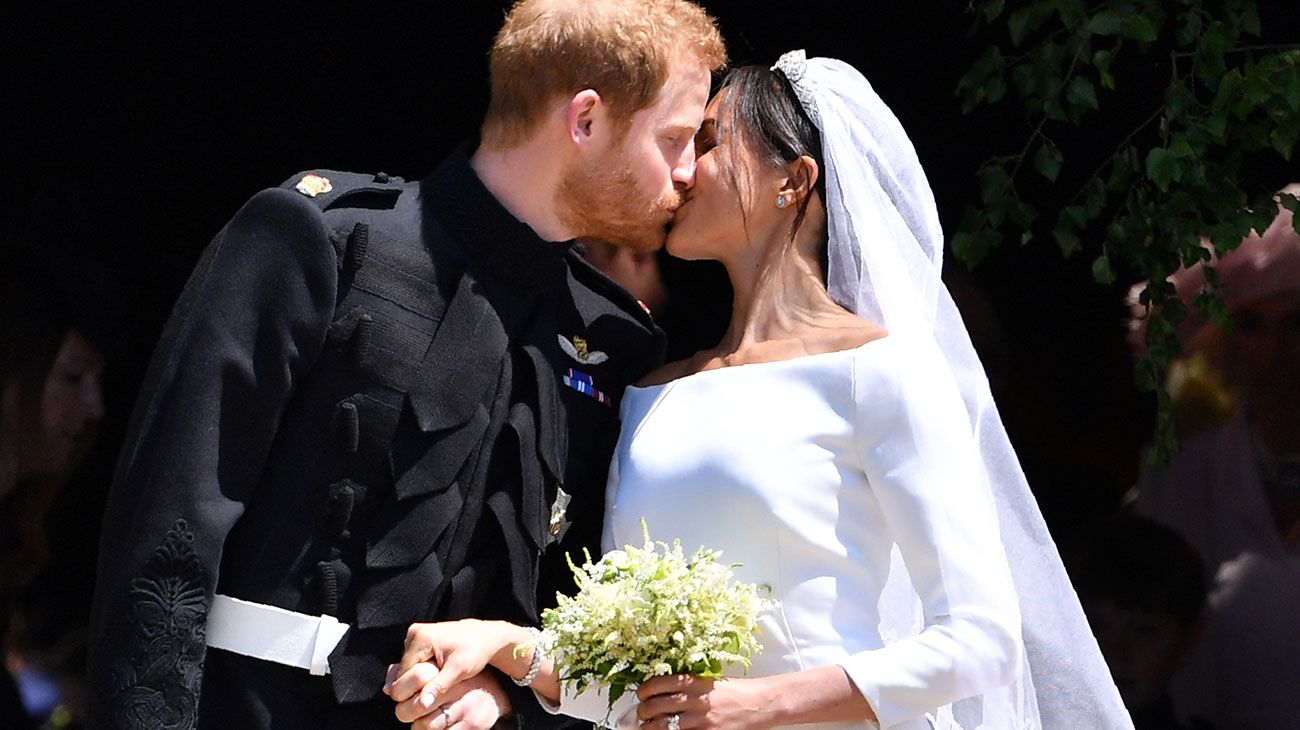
626,194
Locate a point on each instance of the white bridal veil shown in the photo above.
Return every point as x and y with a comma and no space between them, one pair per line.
885,255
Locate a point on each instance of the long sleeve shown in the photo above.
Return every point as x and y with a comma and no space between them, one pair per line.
923,468
248,326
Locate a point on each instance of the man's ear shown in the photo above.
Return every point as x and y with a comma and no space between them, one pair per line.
801,177
581,115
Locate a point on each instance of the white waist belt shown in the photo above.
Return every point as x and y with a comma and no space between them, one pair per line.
274,634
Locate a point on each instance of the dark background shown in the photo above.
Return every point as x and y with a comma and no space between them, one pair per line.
133,131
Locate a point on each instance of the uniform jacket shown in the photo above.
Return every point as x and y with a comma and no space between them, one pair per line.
363,405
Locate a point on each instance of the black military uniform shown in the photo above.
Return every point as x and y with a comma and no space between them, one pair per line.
365,404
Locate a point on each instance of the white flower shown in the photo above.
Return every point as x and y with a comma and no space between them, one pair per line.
649,611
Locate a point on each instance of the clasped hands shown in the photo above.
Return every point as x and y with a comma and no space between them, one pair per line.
441,684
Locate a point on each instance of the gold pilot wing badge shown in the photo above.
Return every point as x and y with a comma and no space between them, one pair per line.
576,348
312,185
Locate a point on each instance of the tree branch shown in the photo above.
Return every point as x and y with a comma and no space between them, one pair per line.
1118,148
1245,49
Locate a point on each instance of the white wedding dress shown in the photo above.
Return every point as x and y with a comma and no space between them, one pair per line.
810,472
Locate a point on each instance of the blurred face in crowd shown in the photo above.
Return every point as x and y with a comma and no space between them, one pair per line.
71,406
1142,647
1264,348
627,192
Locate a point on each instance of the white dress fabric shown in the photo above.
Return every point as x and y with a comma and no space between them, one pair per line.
810,472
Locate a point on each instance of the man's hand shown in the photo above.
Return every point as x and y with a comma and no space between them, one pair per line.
473,704
438,659
445,653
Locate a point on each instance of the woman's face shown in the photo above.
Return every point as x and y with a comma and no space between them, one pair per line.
71,407
723,210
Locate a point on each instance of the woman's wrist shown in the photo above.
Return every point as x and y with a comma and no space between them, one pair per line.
768,701
507,658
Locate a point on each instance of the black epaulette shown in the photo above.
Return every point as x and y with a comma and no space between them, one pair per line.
330,189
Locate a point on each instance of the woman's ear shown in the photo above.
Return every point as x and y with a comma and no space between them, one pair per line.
801,177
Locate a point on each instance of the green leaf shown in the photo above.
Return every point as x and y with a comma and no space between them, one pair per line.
1107,22
1101,60
1181,149
1284,138
973,247
1189,28
1292,89
1217,125
1178,98
1102,271
1069,223
1226,236
1081,93
994,182
1145,374
1067,240
1228,90
1141,28
1163,167
1250,19
616,691
1095,198
1209,62
1075,215
1126,23
1291,203
1023,215
1027,20
1047,160
993,9
1122,168
994,89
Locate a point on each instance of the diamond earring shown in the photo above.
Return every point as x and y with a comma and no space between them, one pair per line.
780,201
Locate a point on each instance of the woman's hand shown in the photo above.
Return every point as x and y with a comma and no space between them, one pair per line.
474,704
705,704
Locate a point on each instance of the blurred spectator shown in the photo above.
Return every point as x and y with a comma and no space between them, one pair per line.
1234,490
690,300
1143,589
636,271
51,404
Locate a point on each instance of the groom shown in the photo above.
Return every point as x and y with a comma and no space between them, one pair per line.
379,402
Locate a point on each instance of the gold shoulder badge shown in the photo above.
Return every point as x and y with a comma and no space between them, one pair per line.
578,350
313,185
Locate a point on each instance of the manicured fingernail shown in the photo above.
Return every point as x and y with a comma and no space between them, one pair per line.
428,698
390,677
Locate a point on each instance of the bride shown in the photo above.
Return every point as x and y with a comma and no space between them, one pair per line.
840,443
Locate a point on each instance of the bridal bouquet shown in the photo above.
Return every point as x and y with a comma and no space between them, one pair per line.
650,611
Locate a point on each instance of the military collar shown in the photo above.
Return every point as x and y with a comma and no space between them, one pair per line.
494,240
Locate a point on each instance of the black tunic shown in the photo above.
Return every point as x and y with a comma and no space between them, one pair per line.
363,405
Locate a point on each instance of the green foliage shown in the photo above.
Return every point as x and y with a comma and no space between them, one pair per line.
1181,174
